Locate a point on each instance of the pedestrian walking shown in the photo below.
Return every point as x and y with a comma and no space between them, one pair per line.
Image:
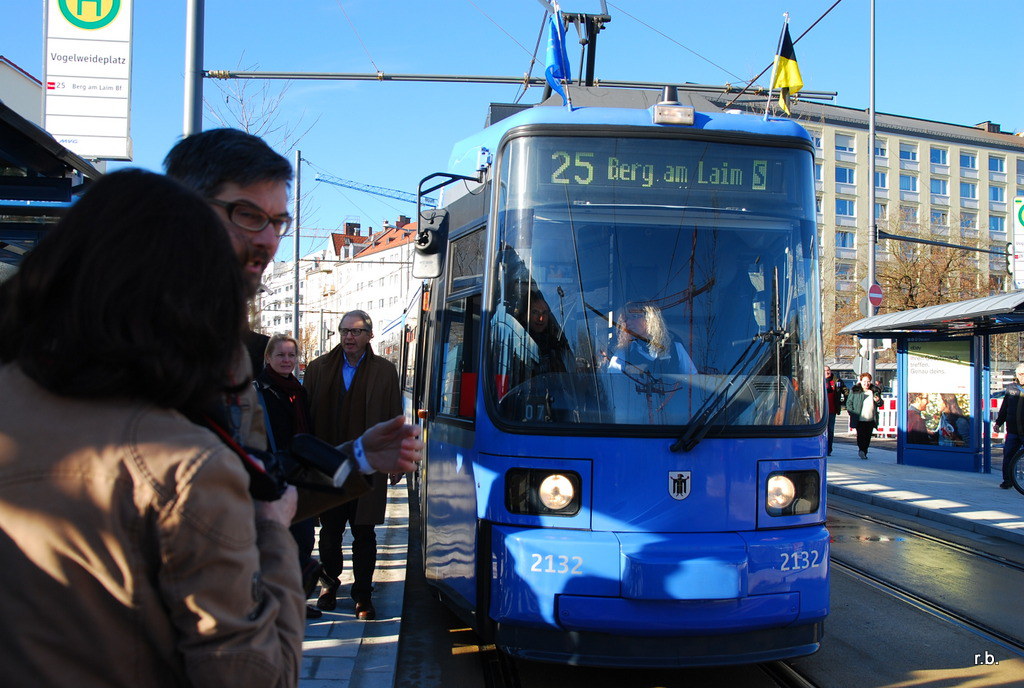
1011,412
836,392
863,404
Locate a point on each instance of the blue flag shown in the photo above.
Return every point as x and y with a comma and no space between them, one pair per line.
556,61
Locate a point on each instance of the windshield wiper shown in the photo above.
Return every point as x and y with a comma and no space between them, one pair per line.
753,358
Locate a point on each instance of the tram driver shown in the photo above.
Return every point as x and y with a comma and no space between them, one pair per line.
645,345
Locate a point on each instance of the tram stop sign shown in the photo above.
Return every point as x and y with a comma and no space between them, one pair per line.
875,295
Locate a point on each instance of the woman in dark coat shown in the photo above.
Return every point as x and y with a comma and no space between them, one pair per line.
863,403
286,403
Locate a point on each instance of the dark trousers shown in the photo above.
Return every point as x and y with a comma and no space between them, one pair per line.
304,533
864,431
364,548
831,430
1011,445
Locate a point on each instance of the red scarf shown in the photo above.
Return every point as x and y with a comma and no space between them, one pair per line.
291,389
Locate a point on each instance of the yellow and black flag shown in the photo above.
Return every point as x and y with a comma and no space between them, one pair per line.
786,76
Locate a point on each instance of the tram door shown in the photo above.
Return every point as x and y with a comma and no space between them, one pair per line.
449,492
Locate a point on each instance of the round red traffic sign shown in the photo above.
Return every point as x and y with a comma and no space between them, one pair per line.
875,295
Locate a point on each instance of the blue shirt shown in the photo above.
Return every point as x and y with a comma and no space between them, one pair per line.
348,371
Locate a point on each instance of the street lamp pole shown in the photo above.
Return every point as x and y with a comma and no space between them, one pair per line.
194,67
295,219
872,221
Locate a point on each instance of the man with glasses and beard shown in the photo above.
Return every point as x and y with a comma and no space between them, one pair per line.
246,184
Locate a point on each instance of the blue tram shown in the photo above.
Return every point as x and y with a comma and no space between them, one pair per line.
620,380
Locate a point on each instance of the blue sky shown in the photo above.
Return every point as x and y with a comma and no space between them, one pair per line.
936,59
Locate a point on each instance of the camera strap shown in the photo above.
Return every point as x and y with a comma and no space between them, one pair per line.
263,484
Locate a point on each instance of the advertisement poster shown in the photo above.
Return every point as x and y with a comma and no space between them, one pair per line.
939,397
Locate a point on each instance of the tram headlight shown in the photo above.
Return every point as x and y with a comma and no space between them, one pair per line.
792,493
542,492
781,492
556,492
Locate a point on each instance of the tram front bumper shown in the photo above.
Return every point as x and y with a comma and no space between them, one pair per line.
664,584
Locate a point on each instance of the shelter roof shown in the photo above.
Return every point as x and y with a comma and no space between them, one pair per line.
987,315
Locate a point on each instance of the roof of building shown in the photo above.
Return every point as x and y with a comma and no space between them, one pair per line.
389,238
810,113
987,315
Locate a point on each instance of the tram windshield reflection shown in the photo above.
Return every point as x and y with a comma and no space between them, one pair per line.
629,305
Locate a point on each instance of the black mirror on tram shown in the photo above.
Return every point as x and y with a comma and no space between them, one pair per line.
431,242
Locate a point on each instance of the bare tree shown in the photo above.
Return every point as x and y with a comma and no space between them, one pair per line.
255,106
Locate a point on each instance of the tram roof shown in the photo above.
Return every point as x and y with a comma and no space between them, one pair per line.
987,315
596,106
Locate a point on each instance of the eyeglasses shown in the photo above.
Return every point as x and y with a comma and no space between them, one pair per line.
252,219
345,331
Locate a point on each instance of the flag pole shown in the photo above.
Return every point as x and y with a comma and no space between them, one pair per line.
775,64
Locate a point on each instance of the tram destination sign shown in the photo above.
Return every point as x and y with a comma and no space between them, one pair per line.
659,165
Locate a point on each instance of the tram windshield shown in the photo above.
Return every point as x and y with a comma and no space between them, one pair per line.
655,282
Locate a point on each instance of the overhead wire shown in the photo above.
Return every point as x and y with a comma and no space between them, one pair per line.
661,33
358,37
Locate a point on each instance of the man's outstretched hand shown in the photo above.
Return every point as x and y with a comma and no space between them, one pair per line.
393,446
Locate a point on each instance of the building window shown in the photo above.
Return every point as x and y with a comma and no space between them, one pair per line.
908,213
844,175
844,143
880,149
817,172
997,194
968,190
844,207
968,221
882,180
908,152
939,187
1020,165
845,272
939,156
817,204
845,239
881,211
908,182
996,164
816,139
996,223
940,218
969,161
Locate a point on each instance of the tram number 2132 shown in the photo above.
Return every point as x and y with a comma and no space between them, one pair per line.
556,563
800,560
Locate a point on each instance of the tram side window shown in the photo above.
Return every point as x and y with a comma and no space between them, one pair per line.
458,358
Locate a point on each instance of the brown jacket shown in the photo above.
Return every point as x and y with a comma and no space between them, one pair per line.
374,398
131,552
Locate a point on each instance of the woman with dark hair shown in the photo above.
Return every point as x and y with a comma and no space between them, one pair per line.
125,526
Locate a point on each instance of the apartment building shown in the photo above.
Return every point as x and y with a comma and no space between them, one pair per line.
941,181
371,273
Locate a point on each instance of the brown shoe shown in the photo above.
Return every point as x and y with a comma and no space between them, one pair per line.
328,599
365,610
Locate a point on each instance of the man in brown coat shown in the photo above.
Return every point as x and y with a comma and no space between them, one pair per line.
350,389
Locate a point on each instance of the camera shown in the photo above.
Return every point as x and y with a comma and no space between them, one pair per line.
309,462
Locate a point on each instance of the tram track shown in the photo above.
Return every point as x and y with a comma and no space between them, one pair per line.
956,546
924,602
929,606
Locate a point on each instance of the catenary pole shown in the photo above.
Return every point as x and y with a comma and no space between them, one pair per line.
194,28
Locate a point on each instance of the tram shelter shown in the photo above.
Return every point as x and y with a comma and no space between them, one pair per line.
943,377
39,179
